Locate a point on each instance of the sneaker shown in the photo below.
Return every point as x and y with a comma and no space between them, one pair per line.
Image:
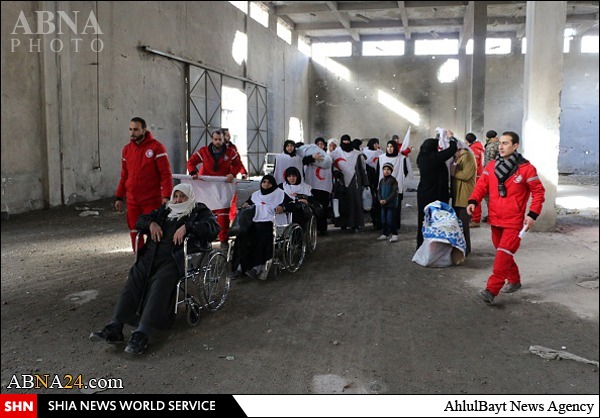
137,343
394,238
474,225
511,287
382,238
111,334
487,297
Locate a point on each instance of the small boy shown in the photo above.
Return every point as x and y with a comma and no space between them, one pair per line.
387,193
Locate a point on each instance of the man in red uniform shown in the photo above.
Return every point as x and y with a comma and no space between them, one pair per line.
478,151
509,180
243,172
146,181
217,160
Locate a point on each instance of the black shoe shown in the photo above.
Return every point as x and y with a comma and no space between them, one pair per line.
111,334
137,343
487,297
252,273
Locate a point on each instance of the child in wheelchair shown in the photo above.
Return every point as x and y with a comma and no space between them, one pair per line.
254,247
148,297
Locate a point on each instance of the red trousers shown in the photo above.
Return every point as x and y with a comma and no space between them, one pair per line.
507,242
133,213
223,221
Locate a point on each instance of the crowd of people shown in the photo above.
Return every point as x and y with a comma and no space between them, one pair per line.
336,180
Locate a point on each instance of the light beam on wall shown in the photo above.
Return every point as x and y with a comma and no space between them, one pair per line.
448,71
398,107
239,48
334,67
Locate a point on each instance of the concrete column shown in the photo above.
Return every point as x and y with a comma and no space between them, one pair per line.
50,80
463,107
542,85
409,47
478,68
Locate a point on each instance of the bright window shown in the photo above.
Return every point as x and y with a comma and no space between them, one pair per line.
332,49
242,5
382,48
589,44
493,46
303,47
258,13
436,47
284,32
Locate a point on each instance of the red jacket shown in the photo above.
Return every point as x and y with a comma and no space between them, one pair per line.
477,148
145,172
229,163
509,211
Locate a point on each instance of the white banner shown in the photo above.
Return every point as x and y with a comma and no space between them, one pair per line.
213,191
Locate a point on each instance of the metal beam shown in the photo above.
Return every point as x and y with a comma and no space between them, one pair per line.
466,32
344,20
404,18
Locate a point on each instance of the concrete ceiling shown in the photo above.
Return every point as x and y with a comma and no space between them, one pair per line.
322,21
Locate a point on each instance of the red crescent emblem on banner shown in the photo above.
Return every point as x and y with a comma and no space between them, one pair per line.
375,160
318,174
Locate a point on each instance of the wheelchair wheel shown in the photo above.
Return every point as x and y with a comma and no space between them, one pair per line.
311,234
216,283
294,247
273,269
193,313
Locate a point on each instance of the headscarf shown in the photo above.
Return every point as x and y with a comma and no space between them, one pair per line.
356,144
332,141
346,146
179,210
371,143
273,184
285,144
293,171
292,190
429,146
395,145
321,139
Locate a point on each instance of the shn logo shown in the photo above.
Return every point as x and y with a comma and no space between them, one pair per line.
18,406
61,23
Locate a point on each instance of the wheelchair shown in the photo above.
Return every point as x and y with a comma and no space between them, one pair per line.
289,249
309,225
204,284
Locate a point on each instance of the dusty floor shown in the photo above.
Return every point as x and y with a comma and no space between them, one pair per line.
358,317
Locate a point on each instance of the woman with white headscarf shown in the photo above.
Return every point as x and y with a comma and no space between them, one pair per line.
148,296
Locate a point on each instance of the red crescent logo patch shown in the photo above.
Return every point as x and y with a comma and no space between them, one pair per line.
318,174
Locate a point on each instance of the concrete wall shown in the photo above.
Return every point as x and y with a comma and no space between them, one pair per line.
65,113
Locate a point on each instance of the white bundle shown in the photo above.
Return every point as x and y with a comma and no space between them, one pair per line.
311,149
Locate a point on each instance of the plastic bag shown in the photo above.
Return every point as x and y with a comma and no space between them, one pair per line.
367,199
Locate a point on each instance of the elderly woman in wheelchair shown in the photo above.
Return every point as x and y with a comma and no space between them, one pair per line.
148,297
269,239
